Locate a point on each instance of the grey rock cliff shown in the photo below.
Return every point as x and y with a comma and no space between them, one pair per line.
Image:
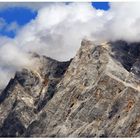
27,94
96,94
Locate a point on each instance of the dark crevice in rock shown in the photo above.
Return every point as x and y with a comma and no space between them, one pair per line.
12,126
48,95
15,104
53,68
103,136
114,109
8,90
61,69
30,128
26,78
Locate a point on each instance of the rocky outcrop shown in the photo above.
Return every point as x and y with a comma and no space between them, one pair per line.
96,94
27,94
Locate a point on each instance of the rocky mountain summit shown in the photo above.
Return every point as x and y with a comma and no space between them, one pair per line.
95,94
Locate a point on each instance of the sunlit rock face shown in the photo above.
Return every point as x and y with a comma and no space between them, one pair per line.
95,94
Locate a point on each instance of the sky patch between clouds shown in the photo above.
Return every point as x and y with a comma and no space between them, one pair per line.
13,18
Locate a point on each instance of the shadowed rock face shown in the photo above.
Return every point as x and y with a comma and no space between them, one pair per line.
96,94
128,54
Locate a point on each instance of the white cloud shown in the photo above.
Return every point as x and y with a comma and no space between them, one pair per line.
12,58
58,30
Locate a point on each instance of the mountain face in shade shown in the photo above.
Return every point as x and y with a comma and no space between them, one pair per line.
95,94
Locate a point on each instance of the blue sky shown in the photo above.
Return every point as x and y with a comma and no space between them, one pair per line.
17,17
101,5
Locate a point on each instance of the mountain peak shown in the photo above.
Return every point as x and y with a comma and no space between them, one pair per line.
95,94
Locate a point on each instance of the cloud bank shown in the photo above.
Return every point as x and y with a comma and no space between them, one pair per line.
59,28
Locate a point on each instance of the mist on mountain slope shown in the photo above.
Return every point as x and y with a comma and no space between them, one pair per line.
59,28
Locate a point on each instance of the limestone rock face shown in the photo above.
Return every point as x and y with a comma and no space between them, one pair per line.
96,94
27,94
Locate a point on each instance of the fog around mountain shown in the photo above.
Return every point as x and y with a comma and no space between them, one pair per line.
59,28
